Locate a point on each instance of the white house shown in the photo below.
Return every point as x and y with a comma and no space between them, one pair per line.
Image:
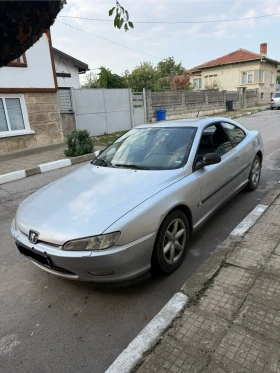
67,70
29,110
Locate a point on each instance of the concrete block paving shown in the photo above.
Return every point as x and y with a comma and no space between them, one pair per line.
171,356
200,329
260,317
233,325
243,351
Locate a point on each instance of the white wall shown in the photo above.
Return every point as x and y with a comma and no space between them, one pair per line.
65,66
37,74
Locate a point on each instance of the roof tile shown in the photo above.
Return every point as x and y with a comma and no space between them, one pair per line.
237,56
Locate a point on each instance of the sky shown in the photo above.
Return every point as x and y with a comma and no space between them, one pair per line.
192,44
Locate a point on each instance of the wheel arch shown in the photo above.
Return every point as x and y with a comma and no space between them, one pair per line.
260,155
183,208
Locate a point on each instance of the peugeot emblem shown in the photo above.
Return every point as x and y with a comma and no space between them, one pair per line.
33,236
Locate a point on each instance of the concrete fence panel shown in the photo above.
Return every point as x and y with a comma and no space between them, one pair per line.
166,98
232,96
214,96
195,97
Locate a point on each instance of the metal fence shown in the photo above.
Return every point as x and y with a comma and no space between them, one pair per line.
103,110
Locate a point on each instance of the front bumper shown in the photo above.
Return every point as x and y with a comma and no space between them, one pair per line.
118,263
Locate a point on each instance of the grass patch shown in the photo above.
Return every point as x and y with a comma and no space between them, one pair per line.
107,139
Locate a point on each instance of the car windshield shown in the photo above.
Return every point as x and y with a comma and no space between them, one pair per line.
150,148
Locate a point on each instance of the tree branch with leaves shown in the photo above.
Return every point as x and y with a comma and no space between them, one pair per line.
121,17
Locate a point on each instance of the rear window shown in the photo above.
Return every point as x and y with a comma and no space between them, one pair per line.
277,95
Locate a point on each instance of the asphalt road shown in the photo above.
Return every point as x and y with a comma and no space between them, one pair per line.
52,325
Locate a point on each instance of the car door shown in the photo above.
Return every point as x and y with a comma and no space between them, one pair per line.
243,157
217,181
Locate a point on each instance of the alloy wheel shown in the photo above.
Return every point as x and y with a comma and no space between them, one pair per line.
174,241
256,172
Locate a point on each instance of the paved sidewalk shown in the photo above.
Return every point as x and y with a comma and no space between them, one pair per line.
31,161
232,322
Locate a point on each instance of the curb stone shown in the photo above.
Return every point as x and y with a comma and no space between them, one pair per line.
149,336
133,356
45,167
248,113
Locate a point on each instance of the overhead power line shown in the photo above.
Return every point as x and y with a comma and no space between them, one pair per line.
110,41
179,22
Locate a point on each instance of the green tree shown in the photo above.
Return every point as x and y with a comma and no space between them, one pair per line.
169,68
91,81
142,76
108,80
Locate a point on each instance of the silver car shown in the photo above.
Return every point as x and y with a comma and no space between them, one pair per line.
275,101
135,206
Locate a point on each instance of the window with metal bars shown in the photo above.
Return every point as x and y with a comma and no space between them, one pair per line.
12,117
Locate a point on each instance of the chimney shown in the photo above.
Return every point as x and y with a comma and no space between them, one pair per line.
263,49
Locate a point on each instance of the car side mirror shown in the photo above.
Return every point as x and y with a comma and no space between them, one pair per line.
208,159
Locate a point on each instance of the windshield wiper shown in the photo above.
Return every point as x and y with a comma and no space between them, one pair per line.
109,164
130,165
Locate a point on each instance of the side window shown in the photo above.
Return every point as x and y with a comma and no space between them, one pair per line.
206,144
235,134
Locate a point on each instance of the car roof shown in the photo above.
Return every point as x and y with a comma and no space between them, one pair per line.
190,122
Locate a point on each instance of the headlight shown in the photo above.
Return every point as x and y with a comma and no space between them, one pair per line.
93,243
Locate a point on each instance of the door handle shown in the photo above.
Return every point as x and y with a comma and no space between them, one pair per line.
236,159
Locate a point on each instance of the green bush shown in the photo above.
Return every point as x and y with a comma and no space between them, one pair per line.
78,143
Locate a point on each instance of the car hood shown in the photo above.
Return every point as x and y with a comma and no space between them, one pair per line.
87,201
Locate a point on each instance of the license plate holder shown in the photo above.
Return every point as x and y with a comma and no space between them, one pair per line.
41,258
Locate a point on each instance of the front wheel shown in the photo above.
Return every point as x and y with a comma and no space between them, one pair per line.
255,174
171,244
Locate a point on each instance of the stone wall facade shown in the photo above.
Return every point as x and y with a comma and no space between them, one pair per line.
44,118
68,123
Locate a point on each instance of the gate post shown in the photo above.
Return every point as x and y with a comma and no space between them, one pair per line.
145,105
131,108
74,106
105,107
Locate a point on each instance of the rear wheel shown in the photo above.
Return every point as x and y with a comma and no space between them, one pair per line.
255,174
171,244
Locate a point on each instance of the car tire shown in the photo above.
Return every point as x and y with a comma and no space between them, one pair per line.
169,252
255,174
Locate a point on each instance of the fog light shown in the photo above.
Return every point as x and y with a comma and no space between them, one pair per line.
101,272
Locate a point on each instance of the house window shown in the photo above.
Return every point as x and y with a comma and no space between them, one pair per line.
210,79
261,76
261,96
247,77
272,78
13,116
197,84
19,62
